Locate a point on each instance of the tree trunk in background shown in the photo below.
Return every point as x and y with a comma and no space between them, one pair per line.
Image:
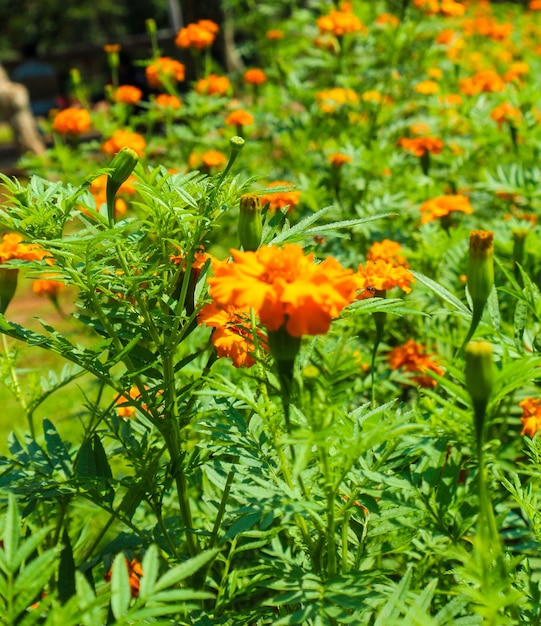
15,109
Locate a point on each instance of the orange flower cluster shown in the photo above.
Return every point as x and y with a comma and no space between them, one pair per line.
449,8
284,287
387,250
444,205
338,159
387,19
213,85
240,117
517,70
199,35
531,416
128,94
485,81
232,336
164,69
332,99
412,357
419,146
381,275
281,199
486,26
12,248
505,113
124,139
165,101
340,23
135,572
255,76
72,121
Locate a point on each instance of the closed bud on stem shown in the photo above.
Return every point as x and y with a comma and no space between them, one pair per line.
479,380
151,26
480,267
250,223
121,167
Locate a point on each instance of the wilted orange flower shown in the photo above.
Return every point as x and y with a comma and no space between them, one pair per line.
387,250
505,112
387,18
213,85
412,357
232,336
166,101
281,199
240,117
12,247
427,87
284,287
164,69
135,572
340,23
124,139
331,99
255,76
127,94
72,121
486,81
199,35
337,159
531,416
419,146
274,34
47,287
382,275
444,205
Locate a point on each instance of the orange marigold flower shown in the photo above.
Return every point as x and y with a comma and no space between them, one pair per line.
213,158
165,101
340,23
451,99
535,5
199,35
412,357
255,76
98,189
124,139
517,70
505,112
72,121
382,275
387,250
427,87
338,159
128,94
232,336
387,19
531,416
451,8
240,117
445,36
47,287
12,248
486,81
135,572
123,408
419,146
274,34
331,99
444,205
279,200
284,287
164,69
213,85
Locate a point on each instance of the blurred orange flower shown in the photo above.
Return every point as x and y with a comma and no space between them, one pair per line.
213,85
427,87
419,146
127,94
198,35
168,102
485,81
387,19
47,287
123,408
338,159
505,113
255,76
164,69
72,121
412,357
340,23
124,139
331,99
281,199
444,205
12,248
135,572
531,416
240,117
274,34
284,287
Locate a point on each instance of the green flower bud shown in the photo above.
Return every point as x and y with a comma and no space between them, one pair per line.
250,223
479,379
8,285
151,26
480,268
121,167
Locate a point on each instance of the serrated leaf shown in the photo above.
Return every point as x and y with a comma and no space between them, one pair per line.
120,587
184,570
150,567
443,293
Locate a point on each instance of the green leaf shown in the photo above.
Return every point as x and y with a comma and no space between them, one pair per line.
443,293
150,567
120,587
184,570
66,570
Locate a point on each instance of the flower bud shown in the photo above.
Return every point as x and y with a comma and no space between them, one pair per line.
480,268
121,167
8,285
250,224
479,379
